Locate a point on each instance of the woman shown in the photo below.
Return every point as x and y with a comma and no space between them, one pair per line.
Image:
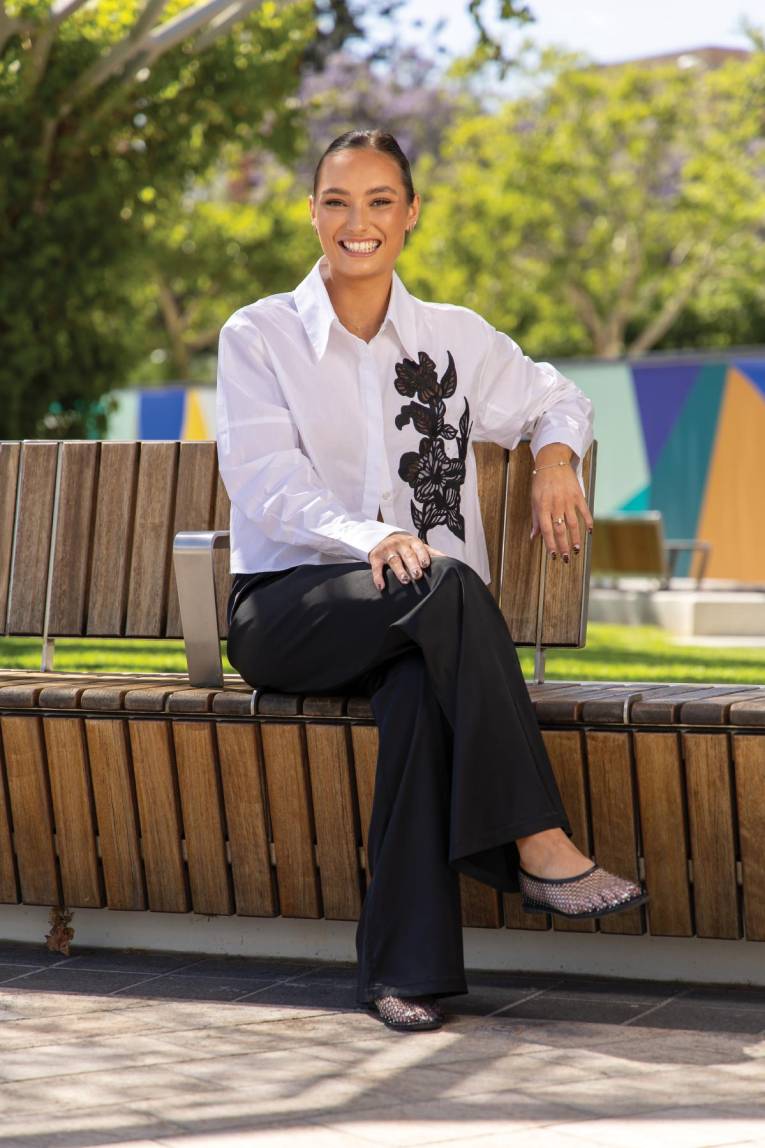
345,413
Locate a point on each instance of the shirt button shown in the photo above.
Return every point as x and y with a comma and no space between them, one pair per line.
386,495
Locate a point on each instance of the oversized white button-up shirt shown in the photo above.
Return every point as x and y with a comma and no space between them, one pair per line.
318,430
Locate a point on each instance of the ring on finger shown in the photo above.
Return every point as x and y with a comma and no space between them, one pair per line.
559,521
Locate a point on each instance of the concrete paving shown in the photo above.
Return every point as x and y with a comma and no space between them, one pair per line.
112,1047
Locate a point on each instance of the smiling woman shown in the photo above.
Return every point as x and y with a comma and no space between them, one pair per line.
346,414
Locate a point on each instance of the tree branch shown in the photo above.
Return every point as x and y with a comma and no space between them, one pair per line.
661,323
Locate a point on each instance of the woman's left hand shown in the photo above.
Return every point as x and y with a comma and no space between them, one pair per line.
556,496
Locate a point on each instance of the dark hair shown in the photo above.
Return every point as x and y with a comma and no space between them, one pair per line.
380,141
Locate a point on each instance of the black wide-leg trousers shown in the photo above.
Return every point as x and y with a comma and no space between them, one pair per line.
462,769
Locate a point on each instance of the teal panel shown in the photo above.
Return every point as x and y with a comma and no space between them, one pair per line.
622,463
123,421
641,501
680,473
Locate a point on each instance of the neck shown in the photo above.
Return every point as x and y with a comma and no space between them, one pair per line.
360,304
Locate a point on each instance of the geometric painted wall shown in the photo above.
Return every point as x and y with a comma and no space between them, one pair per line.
684,435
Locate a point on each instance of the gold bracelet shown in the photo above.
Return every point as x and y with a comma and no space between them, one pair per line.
550,464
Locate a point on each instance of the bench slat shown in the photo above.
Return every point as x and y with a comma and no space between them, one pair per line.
749,759
710,810
241,769
289,802
612,806
73,812
664,831
74,531
491,471
221,558
337,832
203,822
116,813
159,815
29,576
567,757
481,905
9,892
112,538
565,587
521,569
150,558
10,457
196,483
29,792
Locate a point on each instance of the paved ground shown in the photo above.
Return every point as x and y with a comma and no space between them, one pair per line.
129,1048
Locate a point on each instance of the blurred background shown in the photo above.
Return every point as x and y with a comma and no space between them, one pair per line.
593,182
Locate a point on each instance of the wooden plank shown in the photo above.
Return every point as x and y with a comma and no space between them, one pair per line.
9,890
365,745
29,794
519,594
194,507
565,585
481,905
222,558
116,813
74,528
203,820
244,800
567,758
491,473
159,813
628,546
289,801
612,808
10,456
337,831
515,918
73,812
664,830
152,543
710,812
749,762
112,539
29,576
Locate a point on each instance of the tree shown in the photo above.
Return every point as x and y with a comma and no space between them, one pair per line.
588,215
109,112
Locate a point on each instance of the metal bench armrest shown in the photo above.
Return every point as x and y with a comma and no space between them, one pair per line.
676,546
194,577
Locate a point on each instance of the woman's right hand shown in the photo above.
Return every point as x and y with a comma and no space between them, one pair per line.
405,554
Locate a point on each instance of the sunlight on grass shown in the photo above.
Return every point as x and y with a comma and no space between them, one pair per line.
613,653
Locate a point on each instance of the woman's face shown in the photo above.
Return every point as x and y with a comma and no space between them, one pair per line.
361,212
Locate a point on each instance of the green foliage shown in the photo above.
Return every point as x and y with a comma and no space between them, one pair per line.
585,218
90,163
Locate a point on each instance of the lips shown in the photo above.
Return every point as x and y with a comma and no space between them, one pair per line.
360,247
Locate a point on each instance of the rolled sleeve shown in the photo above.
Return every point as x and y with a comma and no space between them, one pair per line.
267,475
520,398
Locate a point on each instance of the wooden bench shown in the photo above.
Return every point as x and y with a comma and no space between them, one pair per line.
141,791
634,545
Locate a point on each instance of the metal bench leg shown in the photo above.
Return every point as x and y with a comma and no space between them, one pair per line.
194,576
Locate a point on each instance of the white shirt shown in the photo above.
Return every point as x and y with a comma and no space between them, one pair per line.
317,429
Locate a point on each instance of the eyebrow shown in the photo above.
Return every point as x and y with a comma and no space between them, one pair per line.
369,191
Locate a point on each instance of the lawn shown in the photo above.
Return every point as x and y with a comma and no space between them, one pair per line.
613,653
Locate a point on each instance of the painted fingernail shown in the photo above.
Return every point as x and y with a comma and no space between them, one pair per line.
553,554
566,558
577,549
404,577
417,572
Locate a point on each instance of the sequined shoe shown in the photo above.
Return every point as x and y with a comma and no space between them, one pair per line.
408,1014
594,893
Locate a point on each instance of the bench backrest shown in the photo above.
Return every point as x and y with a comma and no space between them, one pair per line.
87,528
629,544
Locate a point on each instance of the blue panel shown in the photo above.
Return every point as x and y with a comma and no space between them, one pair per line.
755,372
661,392
160,413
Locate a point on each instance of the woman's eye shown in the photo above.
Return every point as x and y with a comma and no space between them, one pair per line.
332,202
385,201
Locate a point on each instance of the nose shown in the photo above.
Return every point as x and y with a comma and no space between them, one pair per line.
357,217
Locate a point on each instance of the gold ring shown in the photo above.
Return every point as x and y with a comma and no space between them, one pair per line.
388,557
559,521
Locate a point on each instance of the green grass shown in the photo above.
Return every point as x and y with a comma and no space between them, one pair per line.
613,653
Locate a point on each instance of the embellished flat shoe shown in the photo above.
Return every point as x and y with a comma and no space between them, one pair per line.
408,1014
594,893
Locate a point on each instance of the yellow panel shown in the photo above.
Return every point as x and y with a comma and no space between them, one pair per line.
732,508
194,424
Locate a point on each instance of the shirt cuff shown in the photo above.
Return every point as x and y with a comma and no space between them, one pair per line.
366,535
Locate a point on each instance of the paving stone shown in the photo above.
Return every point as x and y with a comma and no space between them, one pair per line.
700,1017
548,1006
25,953
207,988
132,960
249,968
682,1126
616,989
719,997
313,995
485,999
88,981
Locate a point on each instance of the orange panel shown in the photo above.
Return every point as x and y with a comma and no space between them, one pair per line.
732,504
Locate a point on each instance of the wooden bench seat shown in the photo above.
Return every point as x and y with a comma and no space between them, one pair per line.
140,791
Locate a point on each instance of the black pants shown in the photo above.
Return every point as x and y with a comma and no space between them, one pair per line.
462,769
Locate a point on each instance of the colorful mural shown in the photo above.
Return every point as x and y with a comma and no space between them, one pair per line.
684,435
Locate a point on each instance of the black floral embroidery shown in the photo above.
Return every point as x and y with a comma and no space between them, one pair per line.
435,476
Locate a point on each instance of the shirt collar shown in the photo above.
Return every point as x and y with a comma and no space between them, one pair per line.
317,314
